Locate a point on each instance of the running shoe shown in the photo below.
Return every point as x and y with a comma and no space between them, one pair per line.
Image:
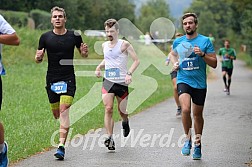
3,156
109,142
186,150
126,128
225,89
178,112
228,92
197,152
60,153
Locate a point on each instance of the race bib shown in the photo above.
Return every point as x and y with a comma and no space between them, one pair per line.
59,87
225,58
190,63
112,73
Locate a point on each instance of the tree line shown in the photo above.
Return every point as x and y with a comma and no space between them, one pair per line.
224,18
90,14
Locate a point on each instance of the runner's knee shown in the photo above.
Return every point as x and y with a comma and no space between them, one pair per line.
197,115
109,109
186,111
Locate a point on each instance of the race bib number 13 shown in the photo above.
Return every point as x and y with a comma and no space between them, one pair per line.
190,63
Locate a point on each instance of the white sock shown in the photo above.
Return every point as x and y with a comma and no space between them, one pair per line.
2,147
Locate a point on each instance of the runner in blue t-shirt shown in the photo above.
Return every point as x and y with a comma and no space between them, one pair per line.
190,55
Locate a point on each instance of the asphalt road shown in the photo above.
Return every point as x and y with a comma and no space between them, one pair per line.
156,136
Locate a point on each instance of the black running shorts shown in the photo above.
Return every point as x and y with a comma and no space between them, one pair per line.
228,70
54,97
198,95
119,90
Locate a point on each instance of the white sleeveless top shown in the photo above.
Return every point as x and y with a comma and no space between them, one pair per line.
115,62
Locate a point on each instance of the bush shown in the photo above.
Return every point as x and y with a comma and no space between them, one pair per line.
41,19
19,19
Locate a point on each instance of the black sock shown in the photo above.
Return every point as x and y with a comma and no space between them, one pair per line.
225,80
229,83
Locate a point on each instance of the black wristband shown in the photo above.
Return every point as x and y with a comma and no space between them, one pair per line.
203,55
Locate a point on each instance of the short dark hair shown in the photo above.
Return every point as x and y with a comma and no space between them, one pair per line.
226,40
189,15
110,23
56,8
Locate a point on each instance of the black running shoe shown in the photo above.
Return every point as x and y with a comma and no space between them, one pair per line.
60,153
126,128
106,142
109,142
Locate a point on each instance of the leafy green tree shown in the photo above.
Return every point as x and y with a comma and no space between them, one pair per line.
207,24
81,14
241,21
228,18
27,5
213,16
151,11
94,13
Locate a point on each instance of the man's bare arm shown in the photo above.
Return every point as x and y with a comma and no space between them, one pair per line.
9,39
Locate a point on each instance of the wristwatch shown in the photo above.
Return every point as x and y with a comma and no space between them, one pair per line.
203,55
129,73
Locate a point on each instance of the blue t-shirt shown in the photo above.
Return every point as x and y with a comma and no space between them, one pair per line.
192,67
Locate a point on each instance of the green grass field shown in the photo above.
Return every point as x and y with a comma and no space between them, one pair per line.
26,115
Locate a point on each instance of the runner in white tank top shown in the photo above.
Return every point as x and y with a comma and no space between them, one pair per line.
116,62
116,78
